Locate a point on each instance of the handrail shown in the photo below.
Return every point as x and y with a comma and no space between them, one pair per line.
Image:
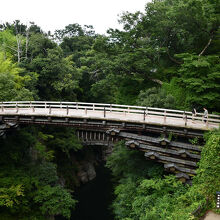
114,108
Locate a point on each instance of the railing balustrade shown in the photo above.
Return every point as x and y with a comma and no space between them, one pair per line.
105,108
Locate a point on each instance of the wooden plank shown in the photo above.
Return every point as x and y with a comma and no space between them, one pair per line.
167,151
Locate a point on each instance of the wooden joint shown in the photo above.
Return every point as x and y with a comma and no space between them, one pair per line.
183,155
152,157
132,145
123,124
172,169
182,179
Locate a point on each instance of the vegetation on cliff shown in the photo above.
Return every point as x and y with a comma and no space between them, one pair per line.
143,191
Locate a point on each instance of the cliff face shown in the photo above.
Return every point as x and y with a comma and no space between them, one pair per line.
82,165
91,157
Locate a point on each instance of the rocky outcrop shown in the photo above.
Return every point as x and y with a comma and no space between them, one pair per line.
86,171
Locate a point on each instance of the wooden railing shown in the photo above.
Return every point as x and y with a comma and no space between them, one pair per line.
105,108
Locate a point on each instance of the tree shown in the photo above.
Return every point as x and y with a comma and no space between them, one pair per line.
198,77
156,97
12,84
54,201
58,78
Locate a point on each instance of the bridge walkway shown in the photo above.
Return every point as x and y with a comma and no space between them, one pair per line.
120,113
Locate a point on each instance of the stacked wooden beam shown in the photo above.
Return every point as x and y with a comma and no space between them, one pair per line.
178,157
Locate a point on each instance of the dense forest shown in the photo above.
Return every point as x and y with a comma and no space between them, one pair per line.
167,57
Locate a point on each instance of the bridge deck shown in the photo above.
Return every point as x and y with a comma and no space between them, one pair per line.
113,116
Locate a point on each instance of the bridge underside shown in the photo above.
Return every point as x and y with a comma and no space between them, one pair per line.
179,156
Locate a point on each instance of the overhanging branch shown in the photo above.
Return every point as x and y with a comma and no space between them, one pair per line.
173,59
207,45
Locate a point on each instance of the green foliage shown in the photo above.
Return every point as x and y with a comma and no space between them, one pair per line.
29,183
138,197
155,97
54,201
166,57
58,78
209,167
123,161
11,82
198,77
8,196
7,43
64,140
178,93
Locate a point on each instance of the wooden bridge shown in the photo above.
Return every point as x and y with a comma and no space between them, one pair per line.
146,129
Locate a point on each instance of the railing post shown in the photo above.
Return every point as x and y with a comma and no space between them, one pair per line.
67,109
16,107
144,114
86,111
165,116
104,112
77,106
49,109
185,117
32,107
33,110
186,120
45,105
93,107
110,107
2,107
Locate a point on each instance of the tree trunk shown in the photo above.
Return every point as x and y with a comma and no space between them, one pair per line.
27,41
207,45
